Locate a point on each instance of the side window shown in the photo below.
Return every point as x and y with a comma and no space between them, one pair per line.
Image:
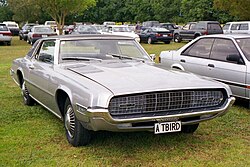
200,49
222,48
46,52
234,26
243,26
213,26
226,26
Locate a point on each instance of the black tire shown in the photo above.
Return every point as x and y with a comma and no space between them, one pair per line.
177,38
8,43
76,134
197,35
150,41
20,38
189,128
27,99
167,42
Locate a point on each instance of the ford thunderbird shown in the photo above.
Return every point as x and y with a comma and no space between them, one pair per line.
107,82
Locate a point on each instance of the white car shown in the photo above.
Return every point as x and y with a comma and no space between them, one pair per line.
5,34
120,30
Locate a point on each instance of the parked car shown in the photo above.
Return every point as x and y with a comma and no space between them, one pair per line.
85,29
23,33
241,27
224,58
13,27
40,31
120,30
5,34
169,26
105,82
107,23
193,30
149,24
98,27
156,34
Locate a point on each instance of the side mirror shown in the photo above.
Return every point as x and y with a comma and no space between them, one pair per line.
234,58
152,56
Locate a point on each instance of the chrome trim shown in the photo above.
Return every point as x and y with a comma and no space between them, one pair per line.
100,119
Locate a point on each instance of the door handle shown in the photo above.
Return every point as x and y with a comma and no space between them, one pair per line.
182,60
31,67
210,65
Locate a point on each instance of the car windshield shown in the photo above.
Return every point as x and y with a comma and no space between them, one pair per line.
102,50
245,46
43,29
121,29
3,28
86,29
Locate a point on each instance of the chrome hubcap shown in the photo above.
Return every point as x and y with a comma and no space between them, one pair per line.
24,91
70,121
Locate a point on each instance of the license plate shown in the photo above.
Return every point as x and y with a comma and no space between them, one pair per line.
166,127
165,35
44,36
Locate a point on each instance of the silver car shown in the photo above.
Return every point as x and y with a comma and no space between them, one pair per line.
224,58
105,82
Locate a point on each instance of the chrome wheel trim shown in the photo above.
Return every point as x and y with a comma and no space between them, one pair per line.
149,40
69,121
176,39
25,92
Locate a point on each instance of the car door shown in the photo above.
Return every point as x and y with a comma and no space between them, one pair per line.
231,73
188,31
40,71
144,35
196,56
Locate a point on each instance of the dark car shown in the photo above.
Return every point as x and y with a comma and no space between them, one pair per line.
38,32
85,29
169,26
156,34
23,33
13,27
192,30
149,24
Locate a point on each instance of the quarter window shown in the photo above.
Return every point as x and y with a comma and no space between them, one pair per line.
200,49
222,48
234,26
243,27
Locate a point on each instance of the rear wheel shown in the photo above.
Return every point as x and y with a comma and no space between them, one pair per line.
150,41
177,38
189,128
8,43
76,134
27,99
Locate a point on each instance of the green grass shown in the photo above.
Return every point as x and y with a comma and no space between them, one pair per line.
32,136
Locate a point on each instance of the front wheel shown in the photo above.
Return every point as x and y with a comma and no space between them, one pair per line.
76,134
189,128
177,38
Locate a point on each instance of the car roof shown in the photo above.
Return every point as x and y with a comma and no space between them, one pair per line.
228,36
88,36
42,26
235,22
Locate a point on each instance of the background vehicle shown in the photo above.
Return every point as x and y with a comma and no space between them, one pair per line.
169,26
37,32
241,27
13,27
102,82
193,30
85,29
149,24
155,34
23,33
5,34
120,30
224,58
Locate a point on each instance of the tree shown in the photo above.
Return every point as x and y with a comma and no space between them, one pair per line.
5,11
239,8
59,9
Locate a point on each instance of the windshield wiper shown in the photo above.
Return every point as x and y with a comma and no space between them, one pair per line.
125,57
81,58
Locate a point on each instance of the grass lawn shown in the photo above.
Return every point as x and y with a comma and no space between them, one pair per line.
32,136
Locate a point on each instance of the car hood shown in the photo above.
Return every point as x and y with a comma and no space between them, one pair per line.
136,77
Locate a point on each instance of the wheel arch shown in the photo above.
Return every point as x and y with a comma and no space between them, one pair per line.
61,96
20,77
177,66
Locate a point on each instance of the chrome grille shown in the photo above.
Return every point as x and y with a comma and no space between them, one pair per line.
165,101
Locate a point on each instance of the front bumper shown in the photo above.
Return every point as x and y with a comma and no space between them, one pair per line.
100,119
